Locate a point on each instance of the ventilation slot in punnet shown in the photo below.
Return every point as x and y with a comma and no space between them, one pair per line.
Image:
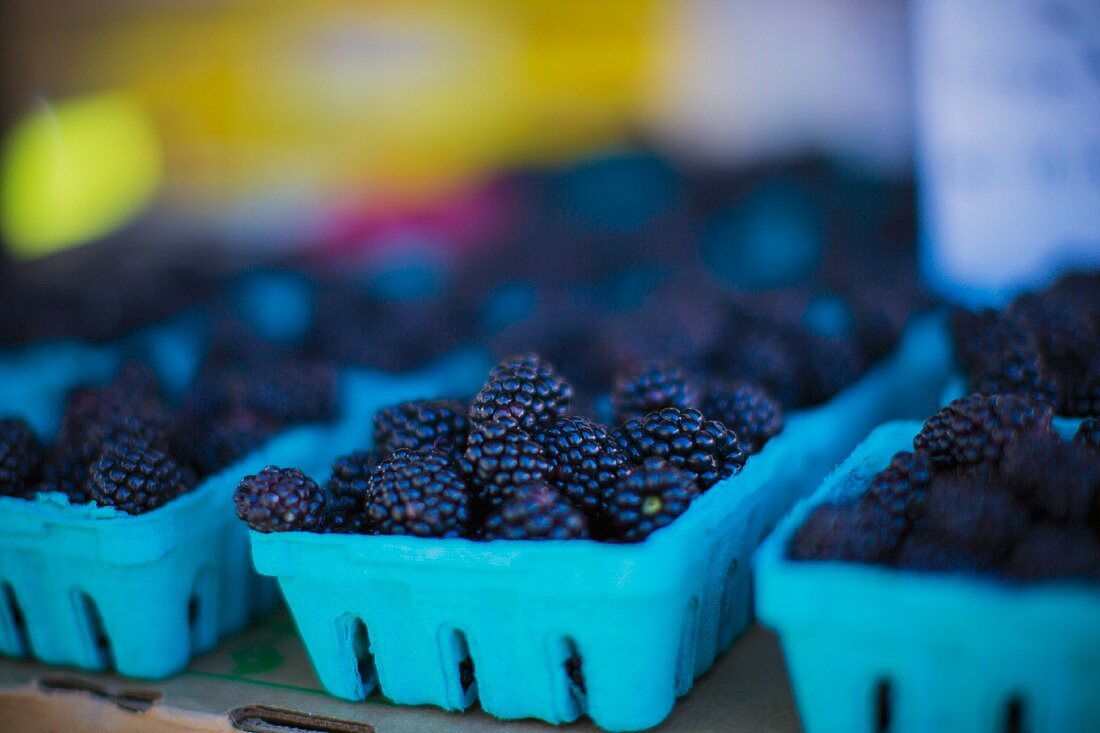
458,654
95,633
884,705
14,623
729,587
202,612
574,672
364,660
1014,715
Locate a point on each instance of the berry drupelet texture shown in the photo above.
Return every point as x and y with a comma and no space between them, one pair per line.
280,500
652,385
136,478
536,512
647,498
706,449
585,461
347,490
439,424
973,430
901,487
417,492
524,388
20,457
748,410
499,457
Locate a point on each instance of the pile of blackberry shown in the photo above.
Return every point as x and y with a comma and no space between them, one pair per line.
514,463
1045,345
989,488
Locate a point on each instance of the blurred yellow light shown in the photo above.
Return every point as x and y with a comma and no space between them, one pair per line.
74,170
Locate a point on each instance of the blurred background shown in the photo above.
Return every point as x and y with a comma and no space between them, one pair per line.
153,149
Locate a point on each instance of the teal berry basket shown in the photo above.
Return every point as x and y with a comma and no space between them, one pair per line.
99,589
644,620
874,648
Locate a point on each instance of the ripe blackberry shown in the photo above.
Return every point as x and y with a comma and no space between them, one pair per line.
20,457
136,478
832,363
930,552
417,492
1055,551
280,500
1055,478
525,388
770,356
649,497
439,424
212,443
706,449
970,510
347,490
292,391
863,532
973,430
499,457
1002,354
902,486
66,470
652,385
748,410
1088,433
585,461
112,413
1081,393
536,512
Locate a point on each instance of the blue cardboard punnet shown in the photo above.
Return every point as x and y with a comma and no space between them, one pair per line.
99,589
925,651
645,619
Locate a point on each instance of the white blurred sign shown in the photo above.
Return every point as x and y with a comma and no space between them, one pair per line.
1008,133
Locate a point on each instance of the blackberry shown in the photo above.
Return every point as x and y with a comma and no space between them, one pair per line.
20,457
772,357
1056,478
439,424
113,413
1088,433
973,430
649,497
280,500
1081,393
832,363
212,443
748,410
652,385
1001,354
536,512
66,471
417,492
525,388
863,532
499,457
136,478
929,552
1054,551
585,461
902,486
292,391
347,489
969,510
706,449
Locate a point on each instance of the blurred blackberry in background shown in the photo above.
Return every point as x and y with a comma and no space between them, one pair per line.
773,357
499,457
930,552
535,511
968,509
66,470
417,492
525,388
747,409
973,430
863,532
652,385
1056,478
707,450
1004,356
647,498
585,461
112,412
1053,551
280,500
832,363
214,443
1088,433
20,457
439,424
902,486
347,490
136,478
